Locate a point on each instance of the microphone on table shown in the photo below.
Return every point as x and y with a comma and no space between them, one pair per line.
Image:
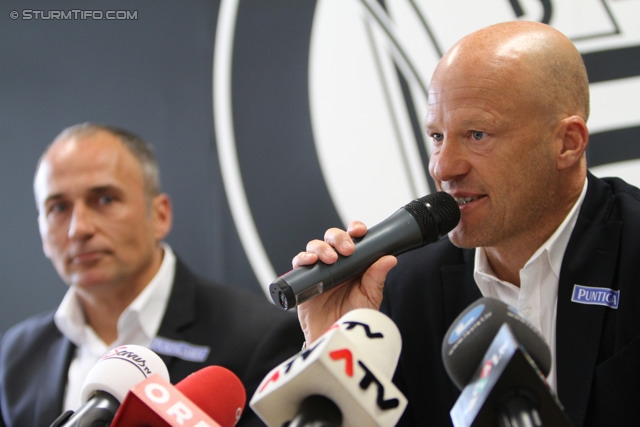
108,382
210,397
422,221
499,361
342,379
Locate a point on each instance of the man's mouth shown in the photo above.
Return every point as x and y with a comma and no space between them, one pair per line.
85,256
464,200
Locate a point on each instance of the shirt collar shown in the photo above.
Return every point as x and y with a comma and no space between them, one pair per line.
143,315
149,307
556,246
553,248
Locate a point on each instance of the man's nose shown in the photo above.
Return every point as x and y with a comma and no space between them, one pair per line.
449,161
81,224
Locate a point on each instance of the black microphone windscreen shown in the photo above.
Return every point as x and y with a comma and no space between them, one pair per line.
436,215
472,332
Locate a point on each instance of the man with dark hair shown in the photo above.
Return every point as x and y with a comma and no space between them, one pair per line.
102,218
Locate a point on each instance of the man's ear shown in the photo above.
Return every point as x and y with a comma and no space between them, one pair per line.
41,229
162,215
574,136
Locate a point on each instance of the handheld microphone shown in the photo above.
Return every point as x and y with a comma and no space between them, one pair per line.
211,397
108,382
508,360
422,221
343,379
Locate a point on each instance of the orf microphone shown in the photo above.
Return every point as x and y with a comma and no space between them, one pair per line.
109,381
218,392
211,397
416,224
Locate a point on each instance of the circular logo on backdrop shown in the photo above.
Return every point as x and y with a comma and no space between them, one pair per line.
318,106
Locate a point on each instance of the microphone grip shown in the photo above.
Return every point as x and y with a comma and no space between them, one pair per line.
316,411
397,234
62,418
517,410
99,411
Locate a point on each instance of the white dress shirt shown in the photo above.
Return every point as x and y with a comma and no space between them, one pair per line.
537,297
138,324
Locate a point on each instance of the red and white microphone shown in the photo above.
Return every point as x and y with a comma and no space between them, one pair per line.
343,379
211,397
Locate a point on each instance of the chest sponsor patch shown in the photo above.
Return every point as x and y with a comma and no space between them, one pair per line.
181,349
595,296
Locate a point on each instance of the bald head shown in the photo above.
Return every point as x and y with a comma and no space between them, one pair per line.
506,115
529,59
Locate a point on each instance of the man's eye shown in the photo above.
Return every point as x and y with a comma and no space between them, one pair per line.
106,199
57,207
57,211
478,135
437,137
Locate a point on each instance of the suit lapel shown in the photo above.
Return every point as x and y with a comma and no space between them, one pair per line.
459,289
590,260
53,381
180,312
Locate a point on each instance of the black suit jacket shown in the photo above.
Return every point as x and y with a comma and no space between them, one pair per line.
598,348
245,333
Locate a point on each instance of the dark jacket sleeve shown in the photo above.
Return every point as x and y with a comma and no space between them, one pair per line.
244,332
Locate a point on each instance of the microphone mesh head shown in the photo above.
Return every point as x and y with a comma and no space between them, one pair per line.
436,214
